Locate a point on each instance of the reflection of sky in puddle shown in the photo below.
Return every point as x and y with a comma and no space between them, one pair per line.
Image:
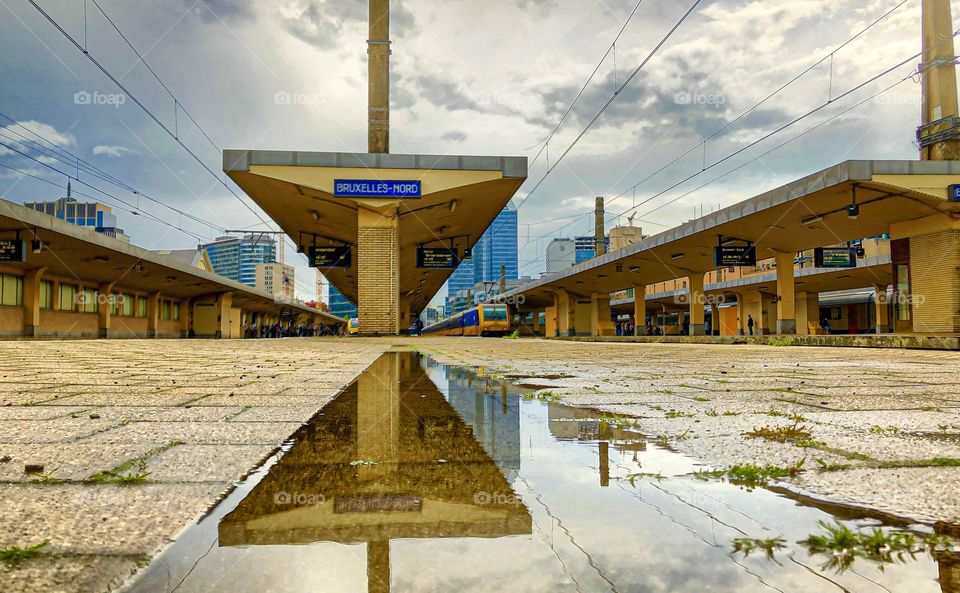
583,523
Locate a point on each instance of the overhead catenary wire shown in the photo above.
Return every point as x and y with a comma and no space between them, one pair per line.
796,120
768,152
126,206
145,109
67,158
744,114
610,101
129,207
546,142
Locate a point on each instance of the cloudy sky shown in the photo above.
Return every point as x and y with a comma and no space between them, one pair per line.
469,77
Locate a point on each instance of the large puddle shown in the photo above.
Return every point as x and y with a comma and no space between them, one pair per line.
422,477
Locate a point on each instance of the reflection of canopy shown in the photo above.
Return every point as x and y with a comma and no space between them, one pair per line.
393,416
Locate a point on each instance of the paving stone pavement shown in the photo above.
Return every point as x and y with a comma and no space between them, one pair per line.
886,423
192,417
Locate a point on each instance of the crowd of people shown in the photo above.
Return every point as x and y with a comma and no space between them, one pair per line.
278,330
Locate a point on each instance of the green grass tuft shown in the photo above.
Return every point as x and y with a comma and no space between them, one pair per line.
746,545
14,554
782,434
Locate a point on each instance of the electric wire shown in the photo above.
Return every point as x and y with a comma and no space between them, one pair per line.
610,101
145,109
756,106
583,89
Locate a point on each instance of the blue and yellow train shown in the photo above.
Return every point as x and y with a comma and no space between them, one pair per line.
483,320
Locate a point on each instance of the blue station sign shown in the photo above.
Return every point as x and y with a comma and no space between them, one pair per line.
375,188
953,192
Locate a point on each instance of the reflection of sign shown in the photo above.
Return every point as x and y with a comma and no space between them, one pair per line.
13,250
953,193
436,258
431,426
340,256
835,257
373,188
735,255
377,504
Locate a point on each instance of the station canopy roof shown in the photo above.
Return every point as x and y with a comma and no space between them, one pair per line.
461,197
810,212
72,251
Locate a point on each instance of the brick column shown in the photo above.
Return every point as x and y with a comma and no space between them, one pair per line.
378,275
31,302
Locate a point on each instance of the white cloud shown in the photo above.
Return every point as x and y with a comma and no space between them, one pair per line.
47,131
113,151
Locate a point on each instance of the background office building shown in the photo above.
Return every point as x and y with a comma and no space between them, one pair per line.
277,279
237,258
497,247
561,254
586,247
93,215
340,306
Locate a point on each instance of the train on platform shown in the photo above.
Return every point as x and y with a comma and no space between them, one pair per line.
483,320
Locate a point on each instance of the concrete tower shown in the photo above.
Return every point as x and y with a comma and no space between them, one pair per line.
599,228
939,133
378,52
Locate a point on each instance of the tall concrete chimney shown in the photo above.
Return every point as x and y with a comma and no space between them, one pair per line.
939,133
601,235
378,99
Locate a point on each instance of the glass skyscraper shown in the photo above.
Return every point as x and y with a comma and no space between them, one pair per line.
339,305
586,247
498,246
237,259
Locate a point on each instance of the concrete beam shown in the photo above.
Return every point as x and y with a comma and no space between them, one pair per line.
31,302
566,313
697,301
786,298
601,323
882,307
153,314
639,310
105,307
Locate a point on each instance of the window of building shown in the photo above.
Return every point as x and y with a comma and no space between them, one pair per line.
11,290
901,301
46,294
141,306
68,297
176,311
165,312
88,302
127,305
116,304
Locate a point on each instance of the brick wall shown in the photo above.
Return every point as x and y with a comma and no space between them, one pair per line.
378,280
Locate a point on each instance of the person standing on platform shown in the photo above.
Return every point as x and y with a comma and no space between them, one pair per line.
750,323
